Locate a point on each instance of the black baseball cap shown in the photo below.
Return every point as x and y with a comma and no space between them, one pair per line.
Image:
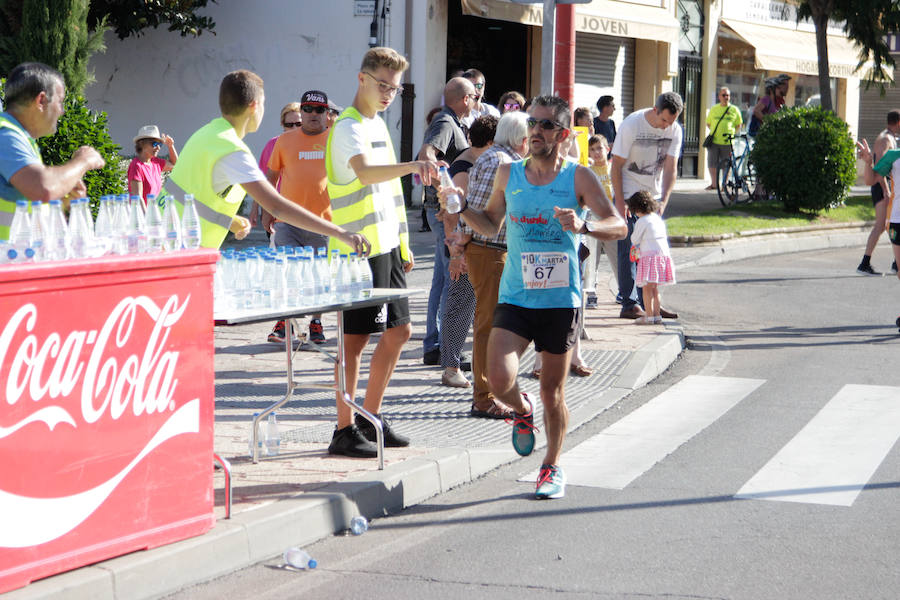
315,97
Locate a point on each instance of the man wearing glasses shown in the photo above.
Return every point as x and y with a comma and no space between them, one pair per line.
366,197
541,199
298,159
444,140
480,108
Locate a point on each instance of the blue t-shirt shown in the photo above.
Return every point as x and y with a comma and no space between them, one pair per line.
16,151
541,269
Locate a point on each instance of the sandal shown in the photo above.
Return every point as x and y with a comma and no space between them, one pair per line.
581,370
495,411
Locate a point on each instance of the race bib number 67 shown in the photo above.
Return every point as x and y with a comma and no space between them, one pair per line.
544,270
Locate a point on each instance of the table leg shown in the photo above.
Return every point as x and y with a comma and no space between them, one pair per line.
342,391
226,467
289,358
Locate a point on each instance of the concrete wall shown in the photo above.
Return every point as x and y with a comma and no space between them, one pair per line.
294,45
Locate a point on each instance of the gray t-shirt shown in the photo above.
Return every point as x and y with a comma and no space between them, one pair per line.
447,136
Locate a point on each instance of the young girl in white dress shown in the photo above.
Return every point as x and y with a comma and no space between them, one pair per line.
654,263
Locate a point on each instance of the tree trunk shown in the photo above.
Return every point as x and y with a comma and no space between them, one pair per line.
821,10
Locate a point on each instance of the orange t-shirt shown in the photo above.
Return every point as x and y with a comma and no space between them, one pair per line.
301,159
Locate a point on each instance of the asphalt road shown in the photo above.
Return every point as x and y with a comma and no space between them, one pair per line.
812,346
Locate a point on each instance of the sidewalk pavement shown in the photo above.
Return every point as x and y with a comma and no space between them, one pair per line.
304,494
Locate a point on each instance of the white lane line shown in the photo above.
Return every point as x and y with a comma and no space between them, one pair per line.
831,459
628,448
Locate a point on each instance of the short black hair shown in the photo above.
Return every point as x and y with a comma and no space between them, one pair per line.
893,117
603,102
482,130
27,80
560,108
671,102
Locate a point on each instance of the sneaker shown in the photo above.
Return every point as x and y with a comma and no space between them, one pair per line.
432,357
316,334
894,268
523,429
350,441
277,335
392,439
551,482
454,378
867,270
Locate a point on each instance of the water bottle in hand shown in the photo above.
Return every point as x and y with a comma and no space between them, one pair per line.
453,203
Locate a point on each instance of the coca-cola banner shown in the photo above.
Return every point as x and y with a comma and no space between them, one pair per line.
106,404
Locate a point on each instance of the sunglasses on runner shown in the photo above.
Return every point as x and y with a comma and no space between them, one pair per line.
545,124
308,108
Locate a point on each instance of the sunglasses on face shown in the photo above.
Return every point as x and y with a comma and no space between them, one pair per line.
156,144
289,125
384,87
511,106
546,124
307,108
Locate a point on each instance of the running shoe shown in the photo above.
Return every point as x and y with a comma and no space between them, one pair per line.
523,429
316,332
894,268
867,270
551,482
277,335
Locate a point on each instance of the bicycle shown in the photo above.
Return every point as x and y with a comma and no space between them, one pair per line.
736,174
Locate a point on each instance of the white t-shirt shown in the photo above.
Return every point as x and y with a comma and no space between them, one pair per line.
234,169
644,149
348,140
486,109
650,235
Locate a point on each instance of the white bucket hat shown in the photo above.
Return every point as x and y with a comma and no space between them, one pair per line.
147,132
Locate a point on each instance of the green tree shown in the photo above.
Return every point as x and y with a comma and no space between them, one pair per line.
131,17
54,32
866,22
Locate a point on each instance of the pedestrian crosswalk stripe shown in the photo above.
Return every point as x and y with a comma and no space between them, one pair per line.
833,457
626,449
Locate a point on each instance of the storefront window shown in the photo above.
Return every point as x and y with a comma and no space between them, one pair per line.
736,70
806,90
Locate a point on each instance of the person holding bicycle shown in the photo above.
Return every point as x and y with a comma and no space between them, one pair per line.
724,121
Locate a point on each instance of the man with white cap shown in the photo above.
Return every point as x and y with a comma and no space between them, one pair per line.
146,168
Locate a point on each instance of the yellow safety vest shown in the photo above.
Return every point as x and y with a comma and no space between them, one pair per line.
193,174
358,208
8,205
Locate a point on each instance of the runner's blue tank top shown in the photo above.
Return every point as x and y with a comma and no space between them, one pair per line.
541,268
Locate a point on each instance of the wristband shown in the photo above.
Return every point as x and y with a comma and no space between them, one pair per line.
464,207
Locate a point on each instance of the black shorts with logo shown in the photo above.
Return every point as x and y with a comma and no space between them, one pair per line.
387,272
553,330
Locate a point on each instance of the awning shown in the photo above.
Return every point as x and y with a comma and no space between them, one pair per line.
794,51
604,17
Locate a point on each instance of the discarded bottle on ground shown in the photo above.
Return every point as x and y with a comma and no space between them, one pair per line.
299,558
359,525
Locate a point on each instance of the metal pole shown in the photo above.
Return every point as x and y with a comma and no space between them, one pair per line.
548,43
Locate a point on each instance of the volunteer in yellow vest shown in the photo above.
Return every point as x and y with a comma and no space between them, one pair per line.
364,187
217,167
34,102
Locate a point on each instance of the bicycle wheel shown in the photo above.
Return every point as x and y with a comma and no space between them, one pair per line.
728,184
751,182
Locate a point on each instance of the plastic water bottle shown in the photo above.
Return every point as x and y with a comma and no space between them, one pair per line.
324,276
120,224
359,525
38,230
355,276
343,283
137,230
299,558
241,284
153,222
20,235
79,239
453,203
273,440
56,242
366,280
307,282
190,224
260,438
103,227
171,227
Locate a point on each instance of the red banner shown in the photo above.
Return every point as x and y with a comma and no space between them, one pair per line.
106,409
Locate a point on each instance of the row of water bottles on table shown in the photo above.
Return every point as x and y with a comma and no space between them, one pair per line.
123,226
289,277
